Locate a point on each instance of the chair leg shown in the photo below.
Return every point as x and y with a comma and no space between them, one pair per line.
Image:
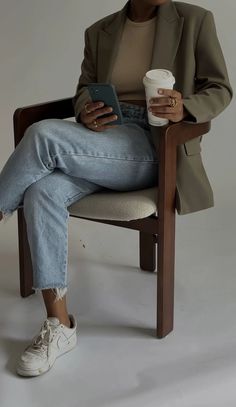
165,278
26,269
147,251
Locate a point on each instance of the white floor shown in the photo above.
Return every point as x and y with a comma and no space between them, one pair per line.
119,361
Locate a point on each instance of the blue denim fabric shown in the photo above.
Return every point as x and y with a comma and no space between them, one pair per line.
58,162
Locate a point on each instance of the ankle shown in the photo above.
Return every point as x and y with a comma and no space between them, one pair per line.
65,320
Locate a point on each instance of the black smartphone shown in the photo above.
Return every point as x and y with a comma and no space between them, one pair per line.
106,93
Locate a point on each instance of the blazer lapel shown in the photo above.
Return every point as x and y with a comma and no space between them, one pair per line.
168,32
169,26
108,43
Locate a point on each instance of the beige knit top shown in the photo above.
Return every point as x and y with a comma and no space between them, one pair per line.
133,59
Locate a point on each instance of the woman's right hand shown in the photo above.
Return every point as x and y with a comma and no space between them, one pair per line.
90,114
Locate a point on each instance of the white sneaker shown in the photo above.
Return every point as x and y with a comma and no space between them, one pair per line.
53,340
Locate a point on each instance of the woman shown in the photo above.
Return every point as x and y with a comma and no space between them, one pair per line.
69,160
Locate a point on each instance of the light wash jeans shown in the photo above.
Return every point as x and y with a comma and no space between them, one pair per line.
58,162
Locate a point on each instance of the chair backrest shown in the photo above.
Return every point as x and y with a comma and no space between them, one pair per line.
25,116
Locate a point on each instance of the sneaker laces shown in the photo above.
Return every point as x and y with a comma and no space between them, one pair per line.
41,342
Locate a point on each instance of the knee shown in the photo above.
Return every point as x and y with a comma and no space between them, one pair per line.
41,129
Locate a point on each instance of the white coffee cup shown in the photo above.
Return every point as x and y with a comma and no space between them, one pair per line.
153,80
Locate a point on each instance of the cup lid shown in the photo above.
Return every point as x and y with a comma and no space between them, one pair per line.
159,75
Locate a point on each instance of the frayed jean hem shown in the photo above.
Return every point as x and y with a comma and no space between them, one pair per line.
6,215
59,292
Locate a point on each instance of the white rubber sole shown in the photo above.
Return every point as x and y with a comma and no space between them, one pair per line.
46,368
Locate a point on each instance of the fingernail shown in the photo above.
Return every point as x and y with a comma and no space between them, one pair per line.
150,101
160,91
101,104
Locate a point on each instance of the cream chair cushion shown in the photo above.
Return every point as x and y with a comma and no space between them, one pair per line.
116,205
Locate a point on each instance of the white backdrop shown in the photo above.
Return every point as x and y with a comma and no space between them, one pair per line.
41,49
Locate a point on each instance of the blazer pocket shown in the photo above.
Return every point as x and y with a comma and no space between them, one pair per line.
192,146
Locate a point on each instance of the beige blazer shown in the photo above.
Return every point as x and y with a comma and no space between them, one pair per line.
186,43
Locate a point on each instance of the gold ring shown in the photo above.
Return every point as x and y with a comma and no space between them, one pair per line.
95,123
172,101
85,108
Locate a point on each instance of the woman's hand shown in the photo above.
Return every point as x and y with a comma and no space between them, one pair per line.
89,116
160,106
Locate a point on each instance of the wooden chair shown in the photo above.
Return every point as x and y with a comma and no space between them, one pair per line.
150,211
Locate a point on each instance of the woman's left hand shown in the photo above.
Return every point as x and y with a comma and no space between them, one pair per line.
160,106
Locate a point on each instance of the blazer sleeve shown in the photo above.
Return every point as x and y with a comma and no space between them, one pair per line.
213,91
88,74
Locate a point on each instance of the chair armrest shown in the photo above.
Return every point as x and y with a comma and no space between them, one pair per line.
182,132
167,138
25,116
